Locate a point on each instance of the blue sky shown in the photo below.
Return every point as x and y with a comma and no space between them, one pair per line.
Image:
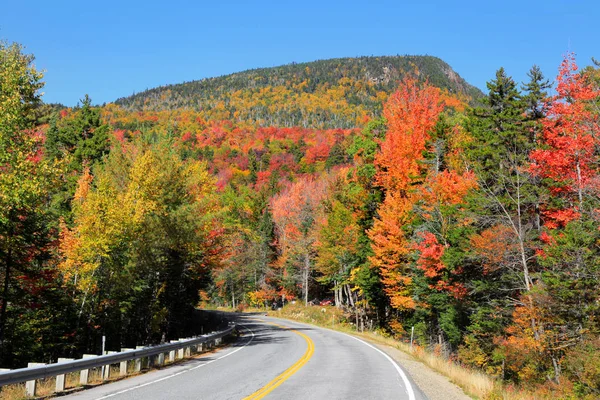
112,49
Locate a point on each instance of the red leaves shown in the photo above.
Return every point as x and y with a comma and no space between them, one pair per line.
569,136
430,262
431,255
559,218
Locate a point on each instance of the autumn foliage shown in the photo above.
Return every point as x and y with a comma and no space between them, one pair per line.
474,229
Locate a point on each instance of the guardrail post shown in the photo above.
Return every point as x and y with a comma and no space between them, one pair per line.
138,361
60,379
106,368
30,385
123,365
182,348
84,375
180,353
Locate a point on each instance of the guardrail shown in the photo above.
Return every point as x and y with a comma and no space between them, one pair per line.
183,348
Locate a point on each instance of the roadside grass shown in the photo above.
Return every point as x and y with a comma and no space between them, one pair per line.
474,383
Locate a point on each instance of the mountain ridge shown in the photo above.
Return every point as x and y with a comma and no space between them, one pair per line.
329,93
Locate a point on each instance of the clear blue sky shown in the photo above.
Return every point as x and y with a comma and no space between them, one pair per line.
111,49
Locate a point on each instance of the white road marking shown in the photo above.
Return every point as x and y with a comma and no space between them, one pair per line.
180,372
407,385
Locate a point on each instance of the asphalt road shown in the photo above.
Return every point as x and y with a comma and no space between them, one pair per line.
273,359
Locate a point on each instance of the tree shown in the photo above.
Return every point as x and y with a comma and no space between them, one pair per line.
25,180
411,113
295,210
337,244
81,139
503,134
569,158
146,233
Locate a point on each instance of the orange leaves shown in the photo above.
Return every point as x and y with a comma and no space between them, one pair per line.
411,113
294,210
492,246
83,185
447,188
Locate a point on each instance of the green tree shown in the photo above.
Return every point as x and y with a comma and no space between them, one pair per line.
80,138
25,180
507,203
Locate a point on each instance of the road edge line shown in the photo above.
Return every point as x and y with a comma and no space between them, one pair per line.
409,389
408,386
164,378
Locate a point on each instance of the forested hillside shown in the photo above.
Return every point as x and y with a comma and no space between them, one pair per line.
412,207
336,93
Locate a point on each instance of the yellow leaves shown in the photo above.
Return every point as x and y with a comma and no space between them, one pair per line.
83,185
139,191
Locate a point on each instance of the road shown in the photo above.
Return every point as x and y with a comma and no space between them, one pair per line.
273,359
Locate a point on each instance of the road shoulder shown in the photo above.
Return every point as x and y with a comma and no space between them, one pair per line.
433,384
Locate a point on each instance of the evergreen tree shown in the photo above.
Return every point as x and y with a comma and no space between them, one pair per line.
505,208
82,140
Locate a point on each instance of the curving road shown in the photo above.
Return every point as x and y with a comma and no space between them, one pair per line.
273,359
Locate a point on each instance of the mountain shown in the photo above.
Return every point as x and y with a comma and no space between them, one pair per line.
334,93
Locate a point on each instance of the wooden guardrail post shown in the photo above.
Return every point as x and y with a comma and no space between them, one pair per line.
60,379
161,359
84,375
31,385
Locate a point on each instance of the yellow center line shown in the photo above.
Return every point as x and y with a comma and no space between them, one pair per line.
269,387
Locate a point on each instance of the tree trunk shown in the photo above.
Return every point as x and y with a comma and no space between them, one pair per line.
349,294
5,288
556,366
232,297
305,276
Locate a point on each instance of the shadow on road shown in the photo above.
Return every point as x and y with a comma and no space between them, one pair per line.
263,332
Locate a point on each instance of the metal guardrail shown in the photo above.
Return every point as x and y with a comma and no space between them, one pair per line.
51,370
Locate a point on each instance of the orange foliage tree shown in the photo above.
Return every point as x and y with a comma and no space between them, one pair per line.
411,114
